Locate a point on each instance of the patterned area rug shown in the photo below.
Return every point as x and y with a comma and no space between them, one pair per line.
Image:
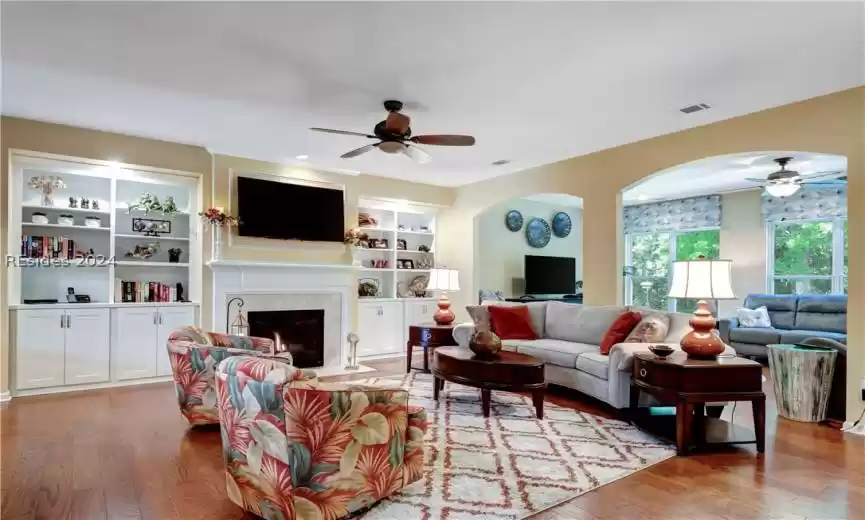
512,464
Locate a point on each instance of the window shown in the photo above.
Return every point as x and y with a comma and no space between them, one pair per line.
649,257
808,257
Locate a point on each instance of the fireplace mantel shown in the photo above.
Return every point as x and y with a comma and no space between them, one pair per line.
250,264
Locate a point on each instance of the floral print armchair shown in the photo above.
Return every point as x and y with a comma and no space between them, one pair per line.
194,355
296,448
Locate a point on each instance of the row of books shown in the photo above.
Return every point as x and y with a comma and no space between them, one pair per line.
47,247
129,291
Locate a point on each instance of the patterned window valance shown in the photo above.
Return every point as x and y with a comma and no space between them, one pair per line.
806,204
673,215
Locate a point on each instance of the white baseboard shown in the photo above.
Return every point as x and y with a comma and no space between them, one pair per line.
91,386
5,397
858,430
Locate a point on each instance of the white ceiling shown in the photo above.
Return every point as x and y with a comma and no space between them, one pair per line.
726,173
534,82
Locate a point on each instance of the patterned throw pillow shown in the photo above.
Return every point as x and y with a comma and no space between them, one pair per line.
480,314
758,317
652,328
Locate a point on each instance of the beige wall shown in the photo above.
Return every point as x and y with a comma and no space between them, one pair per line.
502,252
743,240
828,124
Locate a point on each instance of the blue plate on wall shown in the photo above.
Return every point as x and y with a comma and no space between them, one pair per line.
514,220
538,232
561,224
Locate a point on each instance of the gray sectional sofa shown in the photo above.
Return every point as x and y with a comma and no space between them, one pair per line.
570,337
794,317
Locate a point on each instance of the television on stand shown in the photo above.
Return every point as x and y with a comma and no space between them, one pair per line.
550,275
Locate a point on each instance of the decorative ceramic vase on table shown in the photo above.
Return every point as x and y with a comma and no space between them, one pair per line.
485,344
802,379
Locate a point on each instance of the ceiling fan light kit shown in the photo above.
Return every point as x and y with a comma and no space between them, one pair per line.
784,182
394,136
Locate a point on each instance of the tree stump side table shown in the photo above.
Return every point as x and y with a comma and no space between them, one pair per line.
802,379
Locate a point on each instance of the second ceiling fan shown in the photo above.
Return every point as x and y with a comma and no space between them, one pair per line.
394,136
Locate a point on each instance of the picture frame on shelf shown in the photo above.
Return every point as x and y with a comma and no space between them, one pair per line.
151,227
379,243
401,244
405,263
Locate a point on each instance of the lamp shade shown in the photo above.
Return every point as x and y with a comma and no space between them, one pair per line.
702,280
443,280
784,189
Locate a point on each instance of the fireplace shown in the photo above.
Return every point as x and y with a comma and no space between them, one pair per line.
300,332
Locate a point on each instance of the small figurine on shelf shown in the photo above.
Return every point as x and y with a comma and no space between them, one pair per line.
174,255
423,249
94,204
169,207
85,203
73,203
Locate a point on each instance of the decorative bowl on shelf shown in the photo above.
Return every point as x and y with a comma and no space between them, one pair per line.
39,218
93,222
66,220
661,351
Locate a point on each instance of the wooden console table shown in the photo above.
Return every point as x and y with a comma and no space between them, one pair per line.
691,383
428,336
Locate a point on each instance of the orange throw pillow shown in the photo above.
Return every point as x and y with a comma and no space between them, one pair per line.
619,330
512,322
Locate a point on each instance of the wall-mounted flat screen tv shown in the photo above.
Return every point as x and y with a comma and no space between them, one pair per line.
550,275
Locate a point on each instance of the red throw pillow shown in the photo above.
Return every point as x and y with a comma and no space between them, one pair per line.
619,330
512,322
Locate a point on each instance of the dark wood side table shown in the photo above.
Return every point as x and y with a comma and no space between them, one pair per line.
691,383
428,336
510,371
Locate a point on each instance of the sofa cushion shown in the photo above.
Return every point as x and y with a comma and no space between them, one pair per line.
596,364
757,335
679,326
619,330
480,315
554,351
537,311
781,307
798,336
822,312
579,323
512,322
750,318
653,326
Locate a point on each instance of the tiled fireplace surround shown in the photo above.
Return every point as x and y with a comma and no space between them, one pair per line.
270,286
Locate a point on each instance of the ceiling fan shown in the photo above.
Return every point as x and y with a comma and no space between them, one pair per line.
784,182
394,136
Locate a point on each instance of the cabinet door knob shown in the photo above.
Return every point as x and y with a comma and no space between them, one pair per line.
154,318
160,317
62,321
643,372
68,321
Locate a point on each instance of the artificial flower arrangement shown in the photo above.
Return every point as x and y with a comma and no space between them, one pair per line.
217,217
355,237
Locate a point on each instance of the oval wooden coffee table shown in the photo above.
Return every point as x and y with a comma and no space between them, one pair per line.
510,371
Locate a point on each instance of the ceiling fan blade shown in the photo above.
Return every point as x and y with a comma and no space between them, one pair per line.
758,181
417,154
397,123
820,175
444,140
359,151
341,132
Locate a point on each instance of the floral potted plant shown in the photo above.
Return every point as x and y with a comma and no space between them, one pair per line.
217,218
355,238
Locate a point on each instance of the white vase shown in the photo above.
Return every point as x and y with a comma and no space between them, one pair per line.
355,257
217,242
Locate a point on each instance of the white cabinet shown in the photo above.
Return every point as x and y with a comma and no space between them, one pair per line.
61,347
417,312
39,350
380,327
134,342
88,333
168,320
140,338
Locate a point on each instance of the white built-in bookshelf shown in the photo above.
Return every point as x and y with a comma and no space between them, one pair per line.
396,223
70,230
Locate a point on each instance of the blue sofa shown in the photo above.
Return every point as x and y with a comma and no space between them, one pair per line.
794,317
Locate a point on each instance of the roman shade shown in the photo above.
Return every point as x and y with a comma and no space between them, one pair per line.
673,215
807,204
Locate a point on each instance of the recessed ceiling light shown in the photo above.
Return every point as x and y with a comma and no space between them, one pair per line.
501,162
302,157
642,196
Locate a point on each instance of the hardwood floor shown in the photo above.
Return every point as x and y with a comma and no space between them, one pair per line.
127,454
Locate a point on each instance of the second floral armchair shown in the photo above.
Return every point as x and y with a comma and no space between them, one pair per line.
296,448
